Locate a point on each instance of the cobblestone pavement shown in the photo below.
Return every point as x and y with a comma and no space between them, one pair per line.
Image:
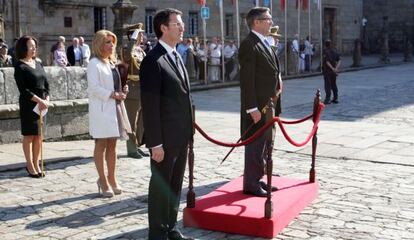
365,169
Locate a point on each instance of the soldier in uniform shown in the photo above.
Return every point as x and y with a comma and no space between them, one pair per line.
133,54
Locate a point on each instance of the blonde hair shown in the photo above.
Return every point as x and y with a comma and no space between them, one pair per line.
98,42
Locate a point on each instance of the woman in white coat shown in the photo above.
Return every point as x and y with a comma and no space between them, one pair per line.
107,116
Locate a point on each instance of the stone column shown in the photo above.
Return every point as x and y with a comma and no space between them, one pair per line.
385,50
408,49
123,10
357,53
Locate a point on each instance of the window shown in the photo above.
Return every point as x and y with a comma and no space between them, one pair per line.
149,17
193,23
67,21
99,18
229,25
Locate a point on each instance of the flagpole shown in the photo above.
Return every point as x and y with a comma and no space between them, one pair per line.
222,40
286,33
299,7
238,23
310,35
205,47
320,29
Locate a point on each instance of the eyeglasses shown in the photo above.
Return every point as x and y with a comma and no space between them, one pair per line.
177,24
265,19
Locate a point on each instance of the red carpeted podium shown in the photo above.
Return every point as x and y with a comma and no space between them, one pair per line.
227,209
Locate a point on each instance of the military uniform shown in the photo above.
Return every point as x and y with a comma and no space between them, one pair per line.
133,55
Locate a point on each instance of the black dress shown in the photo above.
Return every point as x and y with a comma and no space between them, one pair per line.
30,81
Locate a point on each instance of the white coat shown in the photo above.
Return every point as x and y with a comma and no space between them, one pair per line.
103,122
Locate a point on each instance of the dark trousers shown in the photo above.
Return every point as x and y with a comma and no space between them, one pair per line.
307,62
164,192
253,164
229,64
330,86
201,71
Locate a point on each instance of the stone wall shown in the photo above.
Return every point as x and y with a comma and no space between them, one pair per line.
400,16
68,114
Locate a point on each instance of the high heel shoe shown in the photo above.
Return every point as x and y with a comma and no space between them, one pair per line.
41,173
32,175
117,190
105,193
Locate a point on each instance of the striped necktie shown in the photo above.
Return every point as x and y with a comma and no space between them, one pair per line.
178,63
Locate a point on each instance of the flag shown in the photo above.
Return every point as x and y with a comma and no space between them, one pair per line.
201,2
266,3
304,4
282,4
255,3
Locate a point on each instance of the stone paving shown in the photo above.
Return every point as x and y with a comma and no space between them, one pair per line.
365,168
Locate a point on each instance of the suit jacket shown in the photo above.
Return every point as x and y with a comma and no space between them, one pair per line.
259,80
166,101
70,54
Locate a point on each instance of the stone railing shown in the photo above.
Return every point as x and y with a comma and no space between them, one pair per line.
68,114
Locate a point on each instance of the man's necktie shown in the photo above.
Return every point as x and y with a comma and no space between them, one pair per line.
178,64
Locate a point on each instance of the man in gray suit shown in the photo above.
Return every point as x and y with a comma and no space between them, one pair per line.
260,80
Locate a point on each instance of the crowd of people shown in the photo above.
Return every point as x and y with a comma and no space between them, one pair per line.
143,96
203,60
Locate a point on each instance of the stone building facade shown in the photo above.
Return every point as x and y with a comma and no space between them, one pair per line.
342,21
398,15
47,19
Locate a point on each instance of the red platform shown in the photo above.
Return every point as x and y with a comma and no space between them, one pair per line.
227,209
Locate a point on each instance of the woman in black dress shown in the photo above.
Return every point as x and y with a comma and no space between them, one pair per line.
34,90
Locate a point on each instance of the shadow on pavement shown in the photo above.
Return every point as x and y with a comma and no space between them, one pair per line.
362,94
95,215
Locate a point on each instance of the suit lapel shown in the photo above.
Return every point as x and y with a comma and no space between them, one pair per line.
270,56
173,66
185,80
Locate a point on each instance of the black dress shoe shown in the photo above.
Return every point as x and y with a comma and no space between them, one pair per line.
177,235
144,154
135,155
258,192
335,101
264,186
326,102
32,175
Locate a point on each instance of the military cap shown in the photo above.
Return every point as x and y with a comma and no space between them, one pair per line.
274,31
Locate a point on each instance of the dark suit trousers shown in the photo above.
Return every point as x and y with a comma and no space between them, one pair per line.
164,192
253,164
330,86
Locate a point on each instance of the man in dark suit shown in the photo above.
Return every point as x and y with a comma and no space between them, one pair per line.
331,61
74,53
259,81
166,105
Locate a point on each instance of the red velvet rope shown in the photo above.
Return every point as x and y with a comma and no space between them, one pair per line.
298,121
266,126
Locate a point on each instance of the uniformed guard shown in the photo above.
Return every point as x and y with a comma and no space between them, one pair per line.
133,55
